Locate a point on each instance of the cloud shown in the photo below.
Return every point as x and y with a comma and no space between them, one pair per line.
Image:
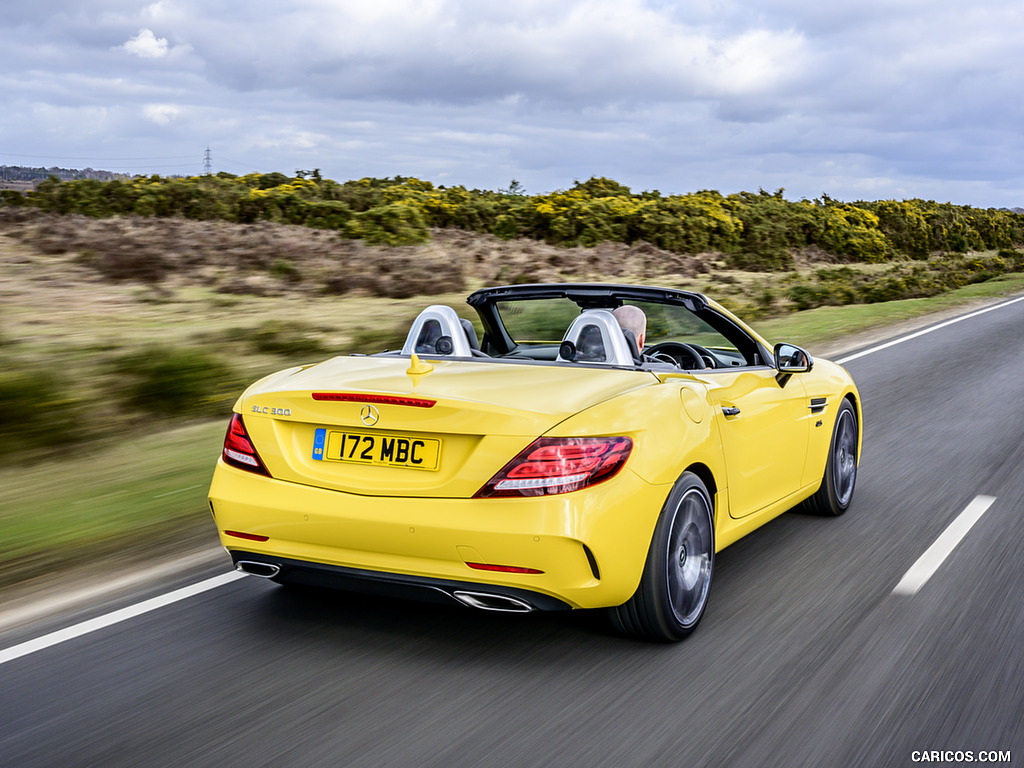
569,54
876,98
161,114
146,45
291,138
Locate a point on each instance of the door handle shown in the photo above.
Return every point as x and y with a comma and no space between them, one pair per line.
730,410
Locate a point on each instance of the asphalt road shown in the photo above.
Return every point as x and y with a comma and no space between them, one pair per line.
805,656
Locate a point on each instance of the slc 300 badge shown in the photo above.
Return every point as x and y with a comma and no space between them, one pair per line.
267,410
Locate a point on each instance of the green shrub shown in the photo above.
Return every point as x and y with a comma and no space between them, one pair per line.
329,214
36,410
176,382
371,340
12,197
756,231
809,296
286,270
918,279
122,261
888,288
270,180
279,337
391,224
770,229
505,227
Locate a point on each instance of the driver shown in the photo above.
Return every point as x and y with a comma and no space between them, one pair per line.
632,319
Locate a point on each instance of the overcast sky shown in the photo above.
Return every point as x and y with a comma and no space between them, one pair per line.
861,100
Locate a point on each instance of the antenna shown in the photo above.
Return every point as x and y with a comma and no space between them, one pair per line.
207,162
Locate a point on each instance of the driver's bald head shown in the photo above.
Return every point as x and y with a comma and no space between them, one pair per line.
632,319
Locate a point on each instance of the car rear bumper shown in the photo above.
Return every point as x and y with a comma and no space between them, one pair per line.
587,548
420,588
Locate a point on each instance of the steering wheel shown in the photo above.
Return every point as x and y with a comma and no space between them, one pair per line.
710,361
680,354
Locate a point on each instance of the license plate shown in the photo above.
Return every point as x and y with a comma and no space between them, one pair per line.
382,450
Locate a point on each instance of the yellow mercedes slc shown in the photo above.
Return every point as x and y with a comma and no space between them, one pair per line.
571,446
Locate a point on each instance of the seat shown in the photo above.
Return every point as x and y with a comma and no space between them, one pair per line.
634,348
467,326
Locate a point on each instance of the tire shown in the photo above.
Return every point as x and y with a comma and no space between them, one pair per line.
836,491
673,591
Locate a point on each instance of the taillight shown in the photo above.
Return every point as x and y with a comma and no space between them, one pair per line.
559,465
238,448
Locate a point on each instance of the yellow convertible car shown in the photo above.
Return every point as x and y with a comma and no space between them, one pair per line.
571,446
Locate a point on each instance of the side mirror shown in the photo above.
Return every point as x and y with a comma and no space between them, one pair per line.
790,358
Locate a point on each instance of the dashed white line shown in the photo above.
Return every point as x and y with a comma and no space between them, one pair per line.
101,622
937,553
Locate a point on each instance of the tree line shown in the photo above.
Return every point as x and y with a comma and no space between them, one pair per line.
26,173
752,230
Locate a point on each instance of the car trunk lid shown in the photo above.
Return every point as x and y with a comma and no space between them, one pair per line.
391,426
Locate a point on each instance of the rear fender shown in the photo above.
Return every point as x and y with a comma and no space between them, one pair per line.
667,440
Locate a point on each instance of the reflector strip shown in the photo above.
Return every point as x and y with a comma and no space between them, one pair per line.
249,536
539,482
356,397
242,457
239,452
502,568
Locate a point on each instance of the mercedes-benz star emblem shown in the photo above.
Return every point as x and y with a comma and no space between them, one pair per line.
369,415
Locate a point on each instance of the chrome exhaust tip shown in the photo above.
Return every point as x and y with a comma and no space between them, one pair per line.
263,570
487,601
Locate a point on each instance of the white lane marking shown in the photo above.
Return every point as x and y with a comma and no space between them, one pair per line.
937,553
901,339
101,622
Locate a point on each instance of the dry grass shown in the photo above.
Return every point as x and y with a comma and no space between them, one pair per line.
74,283
79,296
274,260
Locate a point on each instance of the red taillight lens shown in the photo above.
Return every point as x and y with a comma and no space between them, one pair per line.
238,448
559,465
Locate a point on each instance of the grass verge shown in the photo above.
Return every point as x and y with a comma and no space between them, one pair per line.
147,494
829,326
